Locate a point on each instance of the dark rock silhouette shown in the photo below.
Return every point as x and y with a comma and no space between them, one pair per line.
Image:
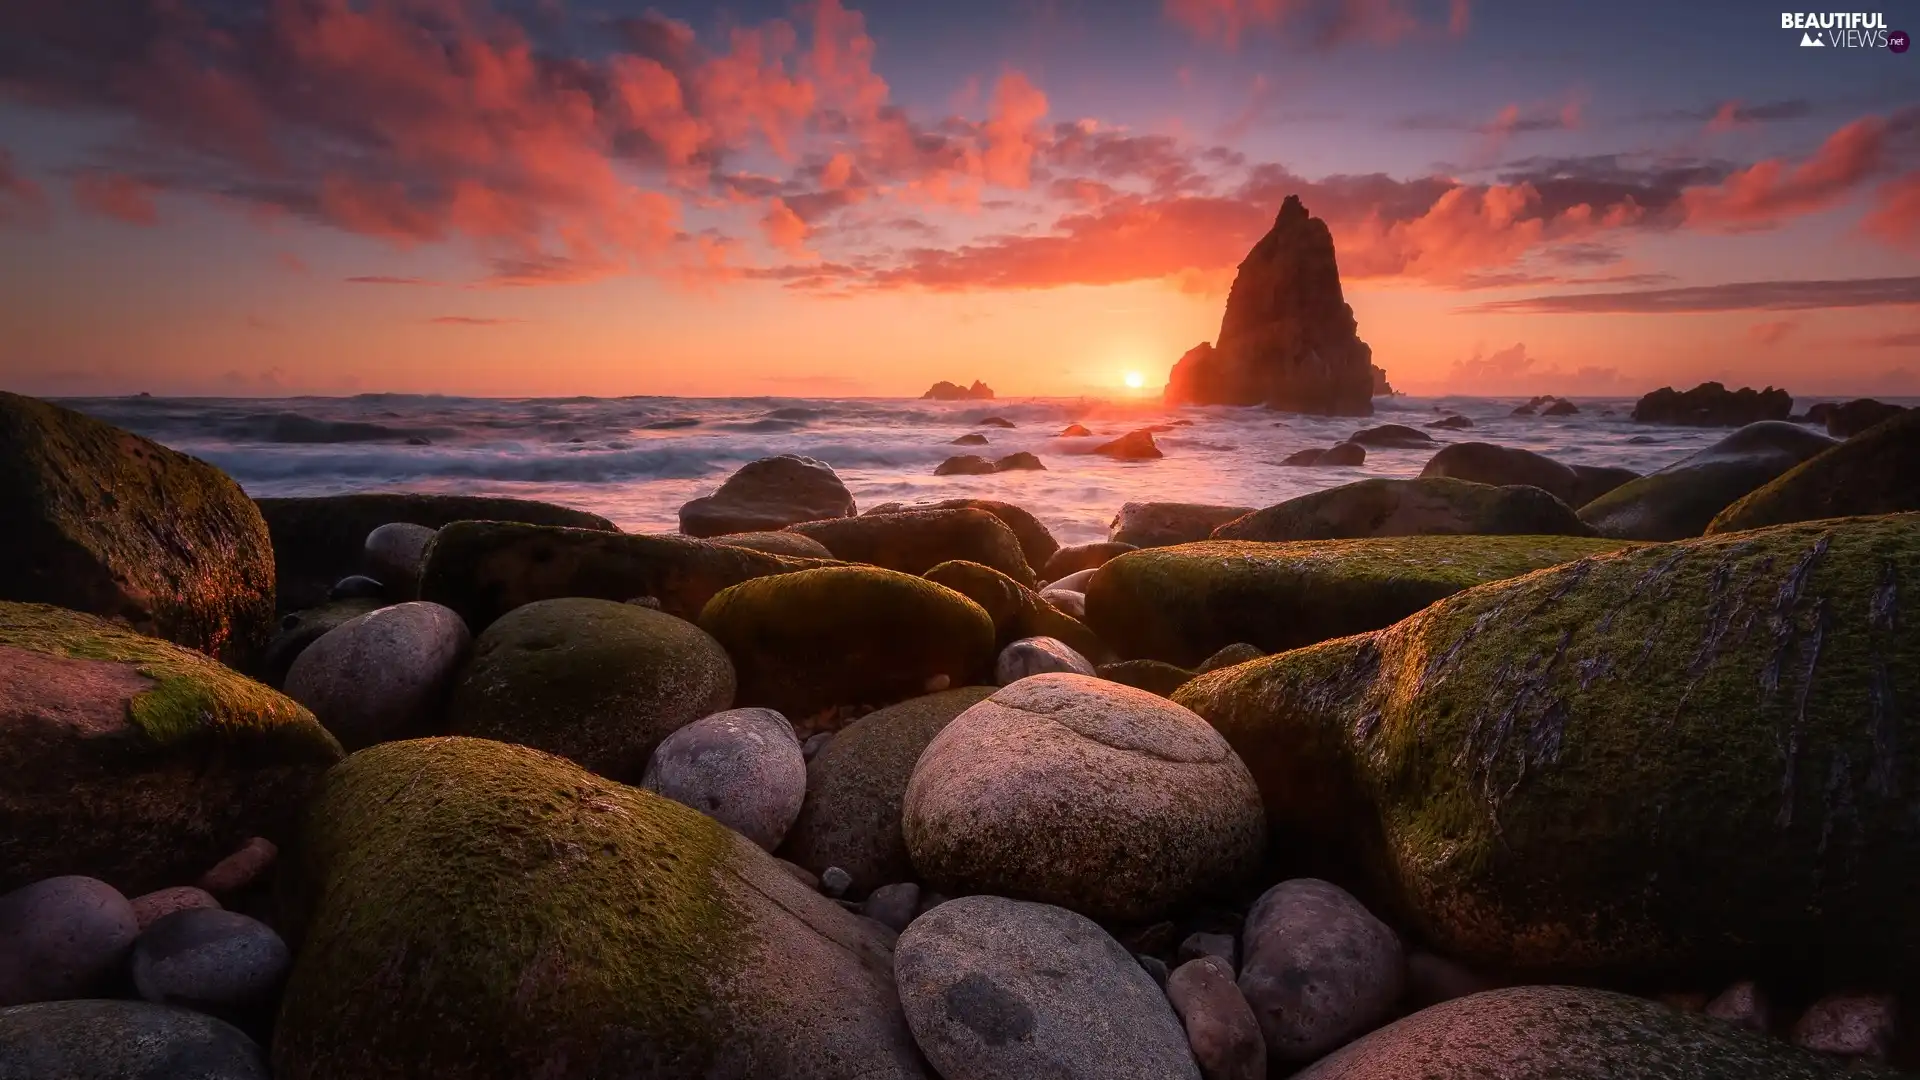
1397,436
1850,419
1381,387
995,421
1346,453
946,391
972,438
964,465
1288,339
1713,405
1073,431
1134,445
1451,423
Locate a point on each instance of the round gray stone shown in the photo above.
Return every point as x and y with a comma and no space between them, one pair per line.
122,1040
742,768
383,675
61,938
1037,656
1319,970
396,553
210,960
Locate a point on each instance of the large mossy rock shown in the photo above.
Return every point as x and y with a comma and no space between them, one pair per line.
1017,611
915,541
479,911
769,494
1520,764
596,682
135,761
810,641
1875,472
1490,463
1681,500
1566,1033
320,539
100,520
1183,604
1423,507
856,783
1036,541
1164,524
484,569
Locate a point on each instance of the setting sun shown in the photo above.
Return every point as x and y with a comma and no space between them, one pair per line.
1135,380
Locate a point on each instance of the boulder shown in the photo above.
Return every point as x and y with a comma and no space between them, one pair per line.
136,761
995,422
769,494
1568,1034
593,681
1069,602
1503,466
1597,480
1036,543
211,961
742,768
1288,339
1133,446
1423,507
946,391
1392,437
1153,676
478,910
777,543
65,937
1238,653
1076,791
299,629
1861,1026
319,540
1320,970
971,438
847,635
1183,604
1681,500
915,541
1017,611
1221,1028
1077,557
1019,462
359,587
996,989
395,554
1847,420
383,675
1713,405
856,783
1339,454
892,906
1037,656
103,521
1561,407
1451,423
1875,472
1161,524
1527,755
964,465
484,569
122,1040
1073,431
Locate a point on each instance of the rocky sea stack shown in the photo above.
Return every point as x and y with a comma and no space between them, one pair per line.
946,391
1288,340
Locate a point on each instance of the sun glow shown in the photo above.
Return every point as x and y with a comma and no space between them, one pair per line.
1135,380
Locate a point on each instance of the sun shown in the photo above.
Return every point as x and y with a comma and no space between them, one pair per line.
1135,380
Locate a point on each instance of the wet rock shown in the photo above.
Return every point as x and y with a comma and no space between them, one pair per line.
1851,418
122,1040
1713,405
599,683
1133,446
1037,656
300,629
856,784
1502,466
1019,462
1681,500
1743,1004
742,768
1392,436
964,465
1160,524
1849,1025
1346,453
64,937
136,761
211,961
1073,431
1875,472
1525,694
103,521
971,438
158,904
1320,969
1036,543
1423,507
981,1008
893,906
1221,1028
1183,604
455,879
1076,557
1561,407
995,421
396,553
241,868
1075,791
769,494
777,543
915,541
1451,423
383,675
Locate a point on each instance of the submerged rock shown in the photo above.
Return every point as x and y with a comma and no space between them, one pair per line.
1183,604
964,465
1019,462
1875,472
1681,500
136,761
915,541
971,438
1163,524
1428,506
1392,436
1523,757
103,521
769,494
473,909
1339,454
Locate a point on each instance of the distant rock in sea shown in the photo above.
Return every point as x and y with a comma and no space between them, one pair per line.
1133,446
1713,405
1288,339
946,391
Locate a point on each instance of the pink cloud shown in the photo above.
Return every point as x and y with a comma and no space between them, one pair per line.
1773,331
1329,22
1766,194
117,196
1012,133
21,198
1895,218
783,228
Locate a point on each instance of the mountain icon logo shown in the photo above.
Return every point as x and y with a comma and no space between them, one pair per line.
1808,41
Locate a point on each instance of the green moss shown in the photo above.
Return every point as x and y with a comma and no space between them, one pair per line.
1728,718
1875,472
1153,676
1424,506
1182,604
915,541
1681,500
1006,601
1036,542
777,543
847,635
193,697
474,909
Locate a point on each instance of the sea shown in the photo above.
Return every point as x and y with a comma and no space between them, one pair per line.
635,460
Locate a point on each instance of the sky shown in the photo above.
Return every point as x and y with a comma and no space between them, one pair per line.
834,198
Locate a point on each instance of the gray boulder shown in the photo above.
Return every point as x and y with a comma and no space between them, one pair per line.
742,768
213,961
1037,656
396,554
122,1040
768,494
383,675
62,938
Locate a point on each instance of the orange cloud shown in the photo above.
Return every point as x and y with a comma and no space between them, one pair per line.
1765,194
1012,131
1772,332
783,227
1895,218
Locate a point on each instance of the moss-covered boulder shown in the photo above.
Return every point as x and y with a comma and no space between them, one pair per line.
1036,542
1183,604
1153,676
1566,1033
1681,500
1017,611
777,543
856,783
1875,472
484,569
135,761
1691,754
1164,524
100,520
479,911
805,643
915,541
593,681
321,539
1490,463
1423,507
769,494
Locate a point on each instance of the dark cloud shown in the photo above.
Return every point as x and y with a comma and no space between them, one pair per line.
1737,296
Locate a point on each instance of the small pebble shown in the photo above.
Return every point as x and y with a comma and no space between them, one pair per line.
1743,1004
154,906
210,960
651,603
893,906
835,882
1219,946
357,587
62,938
242,868
1848,1025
